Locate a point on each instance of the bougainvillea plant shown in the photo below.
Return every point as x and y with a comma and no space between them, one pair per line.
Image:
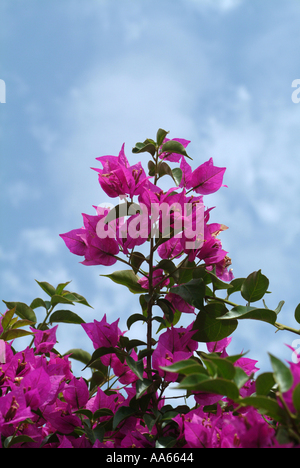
172,260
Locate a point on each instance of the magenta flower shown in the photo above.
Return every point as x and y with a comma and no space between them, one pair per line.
64,442
174,345
37,388
60,417
219,346
44,340
249,430
57,367
295,370
206,179
199,432
101,400
162,357
172,248
75,242
91,243
179,339
13,410
76,393
102,333
121,369
135,231
117,178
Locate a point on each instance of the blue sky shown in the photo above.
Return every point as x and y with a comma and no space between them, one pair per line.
82,78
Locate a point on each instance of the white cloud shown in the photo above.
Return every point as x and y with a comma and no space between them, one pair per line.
39,241
218,5
19,192
110,107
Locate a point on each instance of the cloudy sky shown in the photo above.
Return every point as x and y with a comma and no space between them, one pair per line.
83,77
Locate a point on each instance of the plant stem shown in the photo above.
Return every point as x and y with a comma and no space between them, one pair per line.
280,326
149,314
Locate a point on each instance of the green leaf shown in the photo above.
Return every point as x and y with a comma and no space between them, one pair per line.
136,259
127,278
143,299
85,412
236,284
166,323
21,323
151,168
12,334
297,313
134,318
240,377
136,366
6,318
38,302
122,413
101,352
210,277
164,169
177,175
55,299
142,386
160,136
65,316
247,312
79,355
134,343
191,381
60,287
192,292
296,397
93,434
75,297
209,328
225,368
167,308
22,310
102,412
279,307
11,440
186,271
186,367
144,147
165,442
282,374
218,386
254,287
169,267
263,383
48,288
173,146
265,405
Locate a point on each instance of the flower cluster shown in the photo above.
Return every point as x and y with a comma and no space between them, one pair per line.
154,213
43,404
